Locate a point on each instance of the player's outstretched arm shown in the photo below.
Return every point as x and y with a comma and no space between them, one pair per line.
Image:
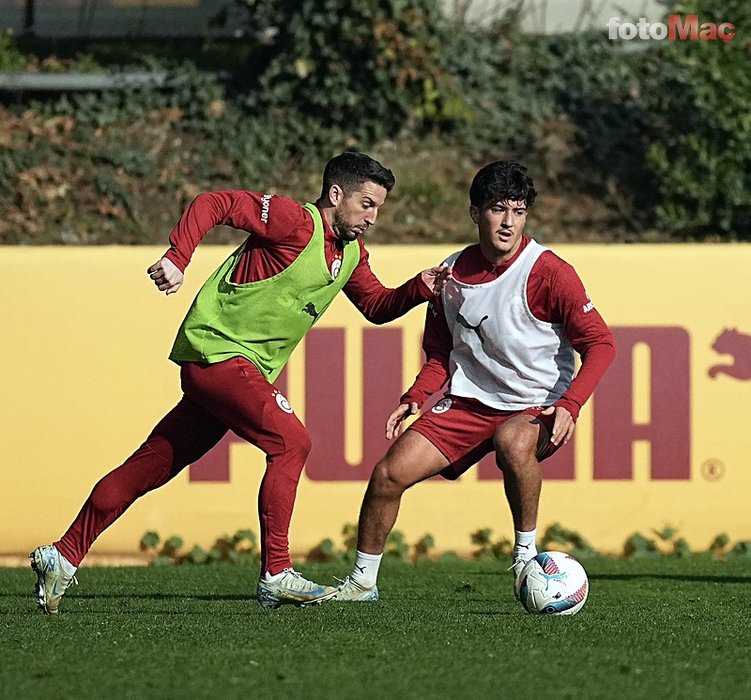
166,276
379,304
395,421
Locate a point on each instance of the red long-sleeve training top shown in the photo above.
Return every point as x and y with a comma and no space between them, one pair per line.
555,294
280,229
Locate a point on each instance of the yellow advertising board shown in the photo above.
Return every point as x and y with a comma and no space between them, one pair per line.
85,377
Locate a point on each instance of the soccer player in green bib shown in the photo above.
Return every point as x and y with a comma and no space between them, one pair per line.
234,342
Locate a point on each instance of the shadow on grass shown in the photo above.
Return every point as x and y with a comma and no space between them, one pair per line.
672,577
165,596
493,613
641,575
26,606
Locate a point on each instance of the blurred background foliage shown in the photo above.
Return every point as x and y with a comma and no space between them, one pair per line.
625,145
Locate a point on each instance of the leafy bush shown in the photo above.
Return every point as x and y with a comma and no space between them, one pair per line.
486,548
326,550
342,72
557,537
700,99
241,548
396,547
653,138
666,542
501,82
11,58
423,547
741,549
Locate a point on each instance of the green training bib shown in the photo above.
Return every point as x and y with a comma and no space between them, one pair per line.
262,321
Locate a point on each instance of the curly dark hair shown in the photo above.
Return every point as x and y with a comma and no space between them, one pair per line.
502,181
350,169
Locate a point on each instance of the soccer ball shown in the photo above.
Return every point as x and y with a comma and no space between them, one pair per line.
553,583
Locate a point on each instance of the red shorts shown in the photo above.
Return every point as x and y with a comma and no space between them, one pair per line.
462,430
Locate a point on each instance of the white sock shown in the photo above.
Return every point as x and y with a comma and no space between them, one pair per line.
525,544
365,570
67,567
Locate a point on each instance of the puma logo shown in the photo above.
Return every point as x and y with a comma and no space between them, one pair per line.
731,342
310,308
464,322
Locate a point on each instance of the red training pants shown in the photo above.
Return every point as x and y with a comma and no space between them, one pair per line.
227,395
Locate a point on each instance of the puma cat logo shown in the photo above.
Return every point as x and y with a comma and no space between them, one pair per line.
463,321
310,308
738,346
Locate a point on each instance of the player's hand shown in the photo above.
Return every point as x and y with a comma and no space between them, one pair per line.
563,424
395,421
436,277
166,275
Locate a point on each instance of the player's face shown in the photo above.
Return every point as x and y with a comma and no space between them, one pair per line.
500,226
356,212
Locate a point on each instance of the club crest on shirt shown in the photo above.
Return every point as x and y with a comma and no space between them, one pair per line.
282,402
442,406
336,265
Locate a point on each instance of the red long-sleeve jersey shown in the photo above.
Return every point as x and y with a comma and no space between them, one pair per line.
555,294
280,229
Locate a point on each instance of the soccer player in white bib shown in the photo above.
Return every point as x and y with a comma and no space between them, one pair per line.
502,334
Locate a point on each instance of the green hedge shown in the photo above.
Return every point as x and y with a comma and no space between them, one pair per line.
700,103
661,136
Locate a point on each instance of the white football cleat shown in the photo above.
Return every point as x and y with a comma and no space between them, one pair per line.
52,581
351,591
294,589
516,568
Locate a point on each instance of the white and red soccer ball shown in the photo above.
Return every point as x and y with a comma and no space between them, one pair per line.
553,583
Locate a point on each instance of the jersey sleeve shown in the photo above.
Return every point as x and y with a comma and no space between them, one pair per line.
436,344
267,217
379,304
559,289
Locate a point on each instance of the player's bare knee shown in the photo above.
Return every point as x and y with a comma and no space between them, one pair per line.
515,444
384,480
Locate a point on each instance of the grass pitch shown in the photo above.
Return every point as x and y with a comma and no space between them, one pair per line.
651,628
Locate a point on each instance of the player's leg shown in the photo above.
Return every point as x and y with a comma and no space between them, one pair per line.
515,442
411,459
518,442
453,433
238,394
183,436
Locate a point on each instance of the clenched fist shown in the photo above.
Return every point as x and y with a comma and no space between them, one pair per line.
166,275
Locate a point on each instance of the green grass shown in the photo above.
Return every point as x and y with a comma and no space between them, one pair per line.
658,627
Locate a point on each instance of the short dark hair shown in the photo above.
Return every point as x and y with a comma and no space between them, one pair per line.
350,169
502,181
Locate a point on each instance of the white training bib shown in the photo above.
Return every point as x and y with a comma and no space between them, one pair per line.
502,355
